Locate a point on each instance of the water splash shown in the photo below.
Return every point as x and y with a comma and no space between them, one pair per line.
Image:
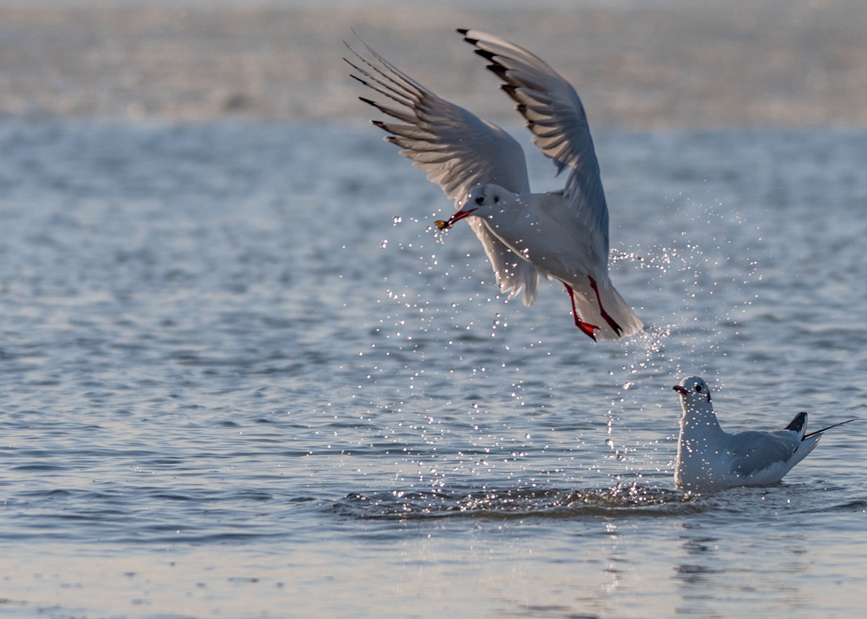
619,500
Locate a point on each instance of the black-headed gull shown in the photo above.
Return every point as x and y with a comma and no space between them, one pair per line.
562,235
710,459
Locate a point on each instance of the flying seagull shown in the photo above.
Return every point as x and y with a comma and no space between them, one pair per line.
562,235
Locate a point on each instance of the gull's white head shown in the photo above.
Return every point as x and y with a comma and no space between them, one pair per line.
486,200
481,201
694,393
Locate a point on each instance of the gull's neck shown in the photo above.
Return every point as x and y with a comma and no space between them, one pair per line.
699,419
699,443
515,224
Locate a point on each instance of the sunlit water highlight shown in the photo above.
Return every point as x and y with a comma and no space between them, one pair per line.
241,374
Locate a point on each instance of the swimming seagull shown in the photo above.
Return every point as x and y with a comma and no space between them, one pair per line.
562,235
710,459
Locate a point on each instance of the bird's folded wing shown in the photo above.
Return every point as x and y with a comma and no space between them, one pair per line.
755,451
555,115
456,148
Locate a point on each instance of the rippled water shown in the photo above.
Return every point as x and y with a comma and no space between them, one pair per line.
240,375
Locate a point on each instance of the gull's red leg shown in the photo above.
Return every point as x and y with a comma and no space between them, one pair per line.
585,327
611,322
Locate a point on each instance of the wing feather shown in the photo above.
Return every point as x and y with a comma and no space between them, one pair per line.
456,149
555,116
755,451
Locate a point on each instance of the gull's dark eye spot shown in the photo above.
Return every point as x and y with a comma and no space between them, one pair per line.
698,387
480,199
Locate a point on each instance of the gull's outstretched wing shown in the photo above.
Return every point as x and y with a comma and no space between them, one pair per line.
457,149
555,116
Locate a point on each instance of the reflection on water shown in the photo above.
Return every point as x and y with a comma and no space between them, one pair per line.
239,376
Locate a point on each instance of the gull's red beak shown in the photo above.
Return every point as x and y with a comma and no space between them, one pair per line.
445,225
680,390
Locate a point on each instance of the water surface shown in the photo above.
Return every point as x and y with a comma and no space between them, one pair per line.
240,375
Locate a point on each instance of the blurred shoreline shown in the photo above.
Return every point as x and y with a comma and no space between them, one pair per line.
769,63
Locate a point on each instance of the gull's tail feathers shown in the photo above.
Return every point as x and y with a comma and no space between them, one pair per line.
612,303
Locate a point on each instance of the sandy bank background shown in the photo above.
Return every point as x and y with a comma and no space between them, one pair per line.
670,63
